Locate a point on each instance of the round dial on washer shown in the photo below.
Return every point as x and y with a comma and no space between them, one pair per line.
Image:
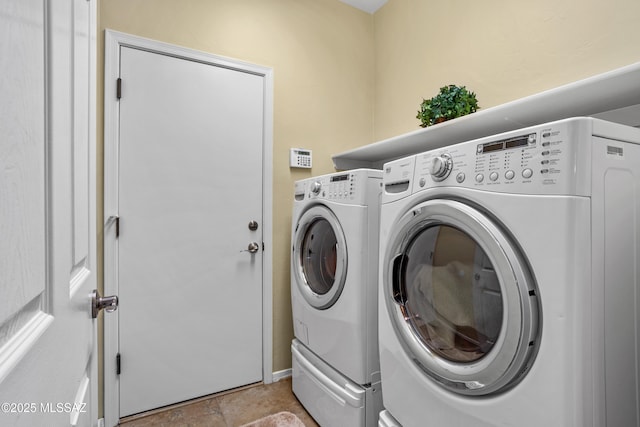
315,187
441,166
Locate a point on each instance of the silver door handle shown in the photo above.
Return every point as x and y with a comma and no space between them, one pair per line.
109,304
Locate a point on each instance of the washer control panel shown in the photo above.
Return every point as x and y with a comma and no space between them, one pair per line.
334,187
534,160
347,187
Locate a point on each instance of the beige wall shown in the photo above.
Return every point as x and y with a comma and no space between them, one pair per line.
502,50
322,55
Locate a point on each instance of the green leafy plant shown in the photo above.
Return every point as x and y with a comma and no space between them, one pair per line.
452,101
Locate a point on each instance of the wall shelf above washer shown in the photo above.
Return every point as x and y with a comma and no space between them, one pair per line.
614,96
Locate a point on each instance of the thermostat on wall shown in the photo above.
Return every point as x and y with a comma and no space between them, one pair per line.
299,158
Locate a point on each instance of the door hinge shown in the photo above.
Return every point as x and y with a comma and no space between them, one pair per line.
119,88
118,364
115,221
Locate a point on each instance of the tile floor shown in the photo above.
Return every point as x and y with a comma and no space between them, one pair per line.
229,409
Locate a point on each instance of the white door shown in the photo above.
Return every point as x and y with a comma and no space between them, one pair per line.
47,213
189,186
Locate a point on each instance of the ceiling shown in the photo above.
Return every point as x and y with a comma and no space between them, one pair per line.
369,6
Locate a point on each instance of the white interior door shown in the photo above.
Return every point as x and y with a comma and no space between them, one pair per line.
189,184
48,372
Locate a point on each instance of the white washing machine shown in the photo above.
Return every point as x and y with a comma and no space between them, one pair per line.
510,280
334,294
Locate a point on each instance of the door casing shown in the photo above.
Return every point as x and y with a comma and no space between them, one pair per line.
113,42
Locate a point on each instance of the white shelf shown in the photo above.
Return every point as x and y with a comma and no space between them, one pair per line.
613,96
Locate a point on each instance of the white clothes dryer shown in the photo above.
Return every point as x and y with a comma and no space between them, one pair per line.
334,294
510,280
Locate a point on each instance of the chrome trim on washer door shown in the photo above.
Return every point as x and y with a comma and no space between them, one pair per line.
319,257
461,298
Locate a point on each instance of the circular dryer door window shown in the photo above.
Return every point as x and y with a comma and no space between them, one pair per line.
461,298
319,257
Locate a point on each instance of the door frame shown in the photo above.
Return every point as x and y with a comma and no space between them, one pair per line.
114,41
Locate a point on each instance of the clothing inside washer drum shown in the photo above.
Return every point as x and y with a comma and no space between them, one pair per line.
454,302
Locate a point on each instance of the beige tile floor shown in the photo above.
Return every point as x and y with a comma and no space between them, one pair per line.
229,409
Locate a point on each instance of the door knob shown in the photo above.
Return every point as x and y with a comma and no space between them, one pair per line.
109,304
253,247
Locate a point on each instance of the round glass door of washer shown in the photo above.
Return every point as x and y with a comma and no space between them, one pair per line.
461,298
319,257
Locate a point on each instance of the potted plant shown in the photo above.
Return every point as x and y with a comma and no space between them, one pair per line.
452,101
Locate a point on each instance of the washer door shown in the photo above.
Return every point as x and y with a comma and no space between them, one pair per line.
319,259
461,298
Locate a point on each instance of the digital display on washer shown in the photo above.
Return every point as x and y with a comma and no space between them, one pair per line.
518,141
521,141
492,146
337,178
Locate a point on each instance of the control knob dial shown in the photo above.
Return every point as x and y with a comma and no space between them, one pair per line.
441,166
315,187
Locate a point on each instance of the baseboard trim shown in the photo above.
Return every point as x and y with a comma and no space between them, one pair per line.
280,375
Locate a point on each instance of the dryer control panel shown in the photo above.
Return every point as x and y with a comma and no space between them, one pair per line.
537,160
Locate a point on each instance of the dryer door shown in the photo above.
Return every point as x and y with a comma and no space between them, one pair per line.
461,298
319,259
